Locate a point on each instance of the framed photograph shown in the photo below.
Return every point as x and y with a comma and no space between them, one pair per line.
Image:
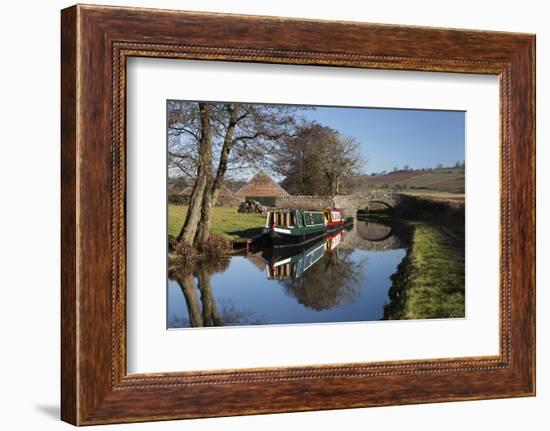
266,215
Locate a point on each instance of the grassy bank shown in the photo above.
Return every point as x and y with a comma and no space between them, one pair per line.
429,282
225,221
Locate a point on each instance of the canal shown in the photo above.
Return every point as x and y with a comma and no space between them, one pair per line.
344,277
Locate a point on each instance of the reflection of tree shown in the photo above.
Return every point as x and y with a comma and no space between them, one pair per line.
231,315
187,286
210,315
335,279
205,313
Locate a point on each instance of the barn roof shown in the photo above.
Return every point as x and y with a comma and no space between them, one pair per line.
262,185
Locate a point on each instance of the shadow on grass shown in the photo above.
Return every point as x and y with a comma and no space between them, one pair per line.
247,233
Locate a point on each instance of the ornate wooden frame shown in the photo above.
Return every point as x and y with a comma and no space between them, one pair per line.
95,42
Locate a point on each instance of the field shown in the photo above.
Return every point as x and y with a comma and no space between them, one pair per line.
443,182
226,222
430,193
448,180
390,178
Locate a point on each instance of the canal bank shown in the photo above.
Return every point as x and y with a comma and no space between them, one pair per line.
384,268
430,280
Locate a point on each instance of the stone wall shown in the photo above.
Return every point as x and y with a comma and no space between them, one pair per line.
306,202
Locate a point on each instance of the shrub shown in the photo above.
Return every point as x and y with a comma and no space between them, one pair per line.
181,255
215,248
178,199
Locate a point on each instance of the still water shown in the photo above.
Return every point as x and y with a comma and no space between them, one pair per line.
344,277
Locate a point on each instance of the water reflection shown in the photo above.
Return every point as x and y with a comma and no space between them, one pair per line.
293,262
343,277
319,276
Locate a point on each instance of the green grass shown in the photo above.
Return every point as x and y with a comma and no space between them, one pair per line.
225,221
429,282
437,277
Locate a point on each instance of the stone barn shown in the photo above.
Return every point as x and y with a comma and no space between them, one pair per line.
262,188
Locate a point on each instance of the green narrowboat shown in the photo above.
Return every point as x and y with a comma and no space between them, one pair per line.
291,227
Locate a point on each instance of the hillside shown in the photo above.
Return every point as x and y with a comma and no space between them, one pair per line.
392,177
449,180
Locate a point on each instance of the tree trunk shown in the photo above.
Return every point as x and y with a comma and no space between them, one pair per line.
187,286
332,183
211,193
210,314
189,229
203,231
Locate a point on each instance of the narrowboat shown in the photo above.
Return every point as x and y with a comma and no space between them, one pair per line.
291,227
334,218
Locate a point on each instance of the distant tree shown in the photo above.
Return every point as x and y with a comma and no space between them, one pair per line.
406,168
395,169
297,159
457,164
317,160
439,166
340,158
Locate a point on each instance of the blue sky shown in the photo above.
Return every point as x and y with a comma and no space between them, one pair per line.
398,137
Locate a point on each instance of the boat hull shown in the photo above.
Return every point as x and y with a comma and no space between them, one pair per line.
292,239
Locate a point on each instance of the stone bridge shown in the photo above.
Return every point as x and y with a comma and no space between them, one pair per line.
351,203
398,202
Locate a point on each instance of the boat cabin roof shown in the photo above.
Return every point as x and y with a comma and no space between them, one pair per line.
294,209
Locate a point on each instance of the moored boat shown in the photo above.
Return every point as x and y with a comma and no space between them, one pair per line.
289,227
334,218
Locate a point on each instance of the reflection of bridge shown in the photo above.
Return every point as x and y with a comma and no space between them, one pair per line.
373,237
351,203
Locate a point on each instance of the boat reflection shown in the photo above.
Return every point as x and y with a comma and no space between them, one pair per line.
294,262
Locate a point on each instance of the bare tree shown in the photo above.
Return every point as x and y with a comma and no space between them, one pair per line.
298,159
204,164
243,136
318,159
340,158
183,140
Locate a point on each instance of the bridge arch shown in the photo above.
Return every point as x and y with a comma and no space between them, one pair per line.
366,205
351,203
374,232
